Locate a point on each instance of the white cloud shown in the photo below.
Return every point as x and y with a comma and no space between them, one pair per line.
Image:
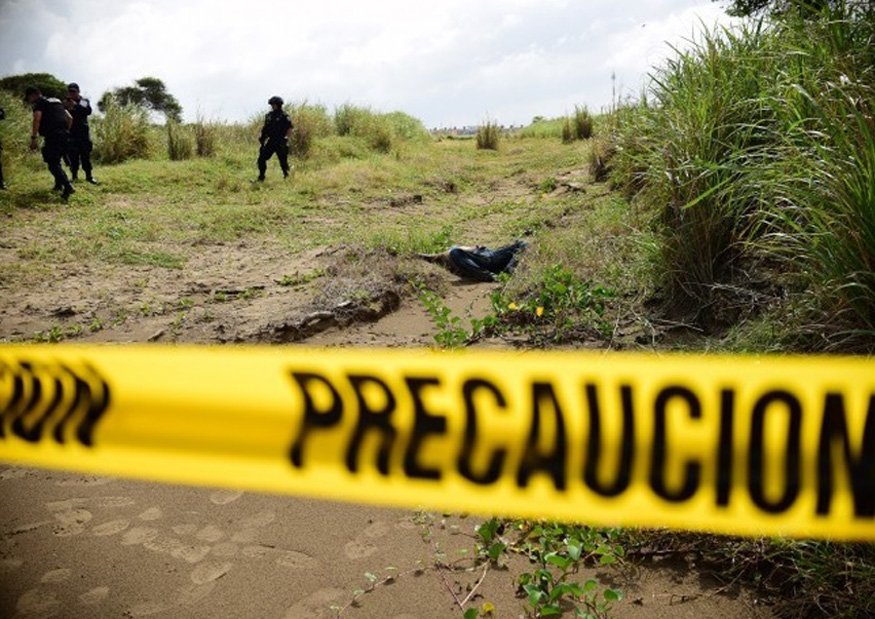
447,61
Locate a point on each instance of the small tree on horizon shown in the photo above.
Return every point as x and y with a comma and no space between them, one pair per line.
148,92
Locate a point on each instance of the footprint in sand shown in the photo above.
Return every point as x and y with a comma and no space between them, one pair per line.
317,605
38,603
191,554
209,571
223,497
14,473
192,594
113,501
210,533
95,596
359,550
153,513
246,536
139,535
71,522
56,576
296,560
226,550
113,527
376,530
258,520
185,529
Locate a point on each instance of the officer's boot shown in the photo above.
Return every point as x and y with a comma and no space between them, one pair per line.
68,191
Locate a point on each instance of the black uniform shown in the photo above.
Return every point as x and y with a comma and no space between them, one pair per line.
80,143
53,128
273,140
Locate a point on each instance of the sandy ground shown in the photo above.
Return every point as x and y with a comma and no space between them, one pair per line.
76,547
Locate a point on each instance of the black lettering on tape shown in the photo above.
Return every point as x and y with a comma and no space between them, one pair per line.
496,460
792,457
692,468
860,463
552,462
425,424
313,417
44,399
372,419
623,476
725,446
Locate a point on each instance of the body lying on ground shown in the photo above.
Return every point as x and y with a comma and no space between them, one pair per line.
478,263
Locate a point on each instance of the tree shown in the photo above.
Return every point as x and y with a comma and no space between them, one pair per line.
746,8
147,92
48,84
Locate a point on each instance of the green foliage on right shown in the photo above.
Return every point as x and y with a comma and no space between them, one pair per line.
759,147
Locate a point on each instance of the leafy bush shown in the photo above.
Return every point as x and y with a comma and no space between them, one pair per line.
122,133
488,136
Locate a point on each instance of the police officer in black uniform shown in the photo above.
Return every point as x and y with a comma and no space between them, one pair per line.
53,122
80,142
275,138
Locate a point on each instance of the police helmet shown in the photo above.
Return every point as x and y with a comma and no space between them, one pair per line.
275,101
73,86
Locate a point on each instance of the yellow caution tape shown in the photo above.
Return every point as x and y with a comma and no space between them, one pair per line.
740,445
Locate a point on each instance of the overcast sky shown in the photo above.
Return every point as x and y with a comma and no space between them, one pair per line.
449,62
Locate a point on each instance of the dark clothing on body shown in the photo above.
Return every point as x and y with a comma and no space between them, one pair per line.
56,136
484,264
80,143
273,141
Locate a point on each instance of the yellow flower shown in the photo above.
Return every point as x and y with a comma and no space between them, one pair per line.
488,609
513,307
539,312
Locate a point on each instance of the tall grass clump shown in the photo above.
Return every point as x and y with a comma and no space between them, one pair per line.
311,122
122,133
488,135
205,135
756,147
581,123
362,122
545,128
180,142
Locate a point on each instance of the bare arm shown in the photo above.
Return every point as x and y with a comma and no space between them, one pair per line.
37,118
69,120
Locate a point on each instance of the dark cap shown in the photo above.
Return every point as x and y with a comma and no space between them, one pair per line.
275,100
73,86
31,90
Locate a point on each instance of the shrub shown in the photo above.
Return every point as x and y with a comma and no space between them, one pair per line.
180,143
204,138
567,132
582,124
760,146
601,153
122,133
310,123
488,136
361,122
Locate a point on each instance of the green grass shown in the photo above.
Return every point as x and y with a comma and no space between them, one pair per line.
754,154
